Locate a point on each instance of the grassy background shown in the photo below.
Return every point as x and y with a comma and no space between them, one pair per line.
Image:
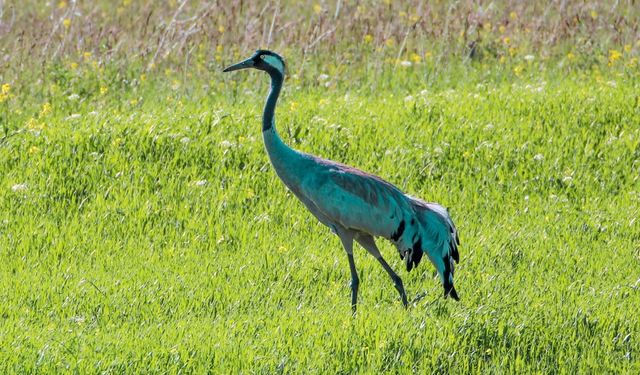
142,228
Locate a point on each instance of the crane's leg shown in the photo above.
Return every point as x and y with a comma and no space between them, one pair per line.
347,243
370,245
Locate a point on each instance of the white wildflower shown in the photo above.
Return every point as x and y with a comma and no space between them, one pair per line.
19,187
323,77
529,58
73,97
405,63
538,157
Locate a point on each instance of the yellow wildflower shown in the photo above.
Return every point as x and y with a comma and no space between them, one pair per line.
513,15
627,48
66,23
46,108
62,4
73,65
594,14
502,29
3,97
6,88
133,102
103,90
614,55
506,40
32,124
512,51
632,62
518,70
250,193
143,77
87,56
317,8
221,29
502,59
219,48
33,149
571,56
390,42
293,106
368,38
416,58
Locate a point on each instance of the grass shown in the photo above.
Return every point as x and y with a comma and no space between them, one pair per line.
150,237
142,229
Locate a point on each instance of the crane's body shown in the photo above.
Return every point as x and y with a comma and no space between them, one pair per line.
357,205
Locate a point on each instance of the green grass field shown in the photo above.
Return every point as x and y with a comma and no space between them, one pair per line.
142,229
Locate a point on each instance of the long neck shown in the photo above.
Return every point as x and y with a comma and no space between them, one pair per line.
284,159
270,105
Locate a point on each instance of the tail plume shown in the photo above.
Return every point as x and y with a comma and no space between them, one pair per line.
439,240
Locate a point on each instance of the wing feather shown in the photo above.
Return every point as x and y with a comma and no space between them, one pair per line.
355,199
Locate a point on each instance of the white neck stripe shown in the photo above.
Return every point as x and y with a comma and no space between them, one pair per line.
275,62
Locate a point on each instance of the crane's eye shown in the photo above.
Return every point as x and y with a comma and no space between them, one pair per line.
262,57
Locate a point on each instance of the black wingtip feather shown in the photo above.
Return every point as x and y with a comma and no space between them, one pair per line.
413,259
453,249
453,294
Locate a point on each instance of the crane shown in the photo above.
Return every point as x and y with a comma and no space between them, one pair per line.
355,205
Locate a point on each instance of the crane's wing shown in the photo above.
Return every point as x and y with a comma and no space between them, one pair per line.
355,199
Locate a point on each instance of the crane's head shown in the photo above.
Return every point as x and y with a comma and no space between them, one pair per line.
265,60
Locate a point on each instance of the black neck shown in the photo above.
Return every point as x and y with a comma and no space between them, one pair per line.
270,105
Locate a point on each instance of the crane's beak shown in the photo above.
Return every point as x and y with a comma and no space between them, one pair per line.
248,63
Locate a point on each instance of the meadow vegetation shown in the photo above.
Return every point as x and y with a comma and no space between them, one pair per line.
142,228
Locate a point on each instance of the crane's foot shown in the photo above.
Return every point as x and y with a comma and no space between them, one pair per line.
397,282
